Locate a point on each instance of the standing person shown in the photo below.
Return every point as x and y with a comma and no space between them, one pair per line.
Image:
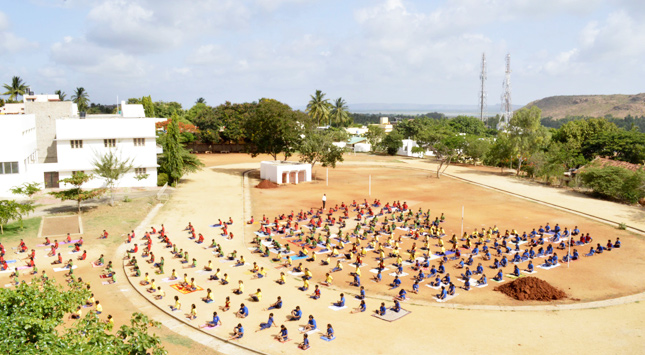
324,200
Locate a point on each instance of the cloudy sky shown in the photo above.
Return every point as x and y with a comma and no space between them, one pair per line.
366,51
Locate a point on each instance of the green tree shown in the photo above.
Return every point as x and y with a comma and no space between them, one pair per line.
176,161
76,193
16,88
148,106
575,133
61,94
615,183
501,153
167,109
446,145
374,135
318,107
32,320
316,146
111,167
526,133
392,142
172,164
81,98
201,100
275,129
621,145
12,210
468,125
26,189
477,147
339,116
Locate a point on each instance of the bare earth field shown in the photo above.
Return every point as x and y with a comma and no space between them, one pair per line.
218,192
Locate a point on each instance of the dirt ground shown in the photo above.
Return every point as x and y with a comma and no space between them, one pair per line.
601,277
217,193
60,225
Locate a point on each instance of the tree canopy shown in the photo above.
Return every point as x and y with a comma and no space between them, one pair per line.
81,98
16,88
319,107
77,193
275,129
31,317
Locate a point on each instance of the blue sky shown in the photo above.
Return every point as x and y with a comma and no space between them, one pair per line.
366,51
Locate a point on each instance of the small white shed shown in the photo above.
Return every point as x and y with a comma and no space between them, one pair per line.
285,172
362,148
406,149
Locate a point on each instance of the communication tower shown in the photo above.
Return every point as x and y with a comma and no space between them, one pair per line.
507,107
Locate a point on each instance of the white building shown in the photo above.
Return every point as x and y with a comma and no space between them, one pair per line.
18,152
285,172
72,143
406,149
81,141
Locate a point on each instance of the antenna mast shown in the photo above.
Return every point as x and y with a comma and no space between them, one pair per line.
482,92
507,107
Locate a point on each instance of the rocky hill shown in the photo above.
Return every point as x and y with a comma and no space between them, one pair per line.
619,106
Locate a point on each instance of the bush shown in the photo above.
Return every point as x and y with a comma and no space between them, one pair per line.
162,179
615,183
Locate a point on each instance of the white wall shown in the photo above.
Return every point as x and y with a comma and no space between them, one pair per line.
18,144
273,171
406,149
93,132
362,147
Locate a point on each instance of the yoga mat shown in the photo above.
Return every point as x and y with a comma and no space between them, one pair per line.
11,261
336,308
448,298
216,225
184,290
548,267
301,329
327,339
392,316
401,275
57,269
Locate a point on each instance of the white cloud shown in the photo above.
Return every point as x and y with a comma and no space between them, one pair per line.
143,26
87,57
11,43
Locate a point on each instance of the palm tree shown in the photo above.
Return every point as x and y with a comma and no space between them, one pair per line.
201,100
61,94
81,98
339,115
318,107
17,88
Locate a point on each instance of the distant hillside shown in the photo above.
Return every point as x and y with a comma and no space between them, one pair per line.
591,105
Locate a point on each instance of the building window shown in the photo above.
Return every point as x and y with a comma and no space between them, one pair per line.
139,142
9,167
109,143
76,144
139,171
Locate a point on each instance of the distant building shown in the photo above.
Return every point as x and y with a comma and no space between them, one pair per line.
285,172
408,145
385,124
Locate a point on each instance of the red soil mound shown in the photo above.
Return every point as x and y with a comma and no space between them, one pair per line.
530,288
266,184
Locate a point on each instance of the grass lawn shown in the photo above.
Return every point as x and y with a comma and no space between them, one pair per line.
12,231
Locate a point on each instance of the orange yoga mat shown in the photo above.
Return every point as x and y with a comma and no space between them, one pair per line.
185,290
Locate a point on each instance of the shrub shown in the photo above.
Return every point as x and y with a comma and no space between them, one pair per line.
615,183
162,179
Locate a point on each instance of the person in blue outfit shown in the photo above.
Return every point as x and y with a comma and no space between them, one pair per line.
311,324
381,311
296,314
243,312
238,332
341,302
270,323
284,334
